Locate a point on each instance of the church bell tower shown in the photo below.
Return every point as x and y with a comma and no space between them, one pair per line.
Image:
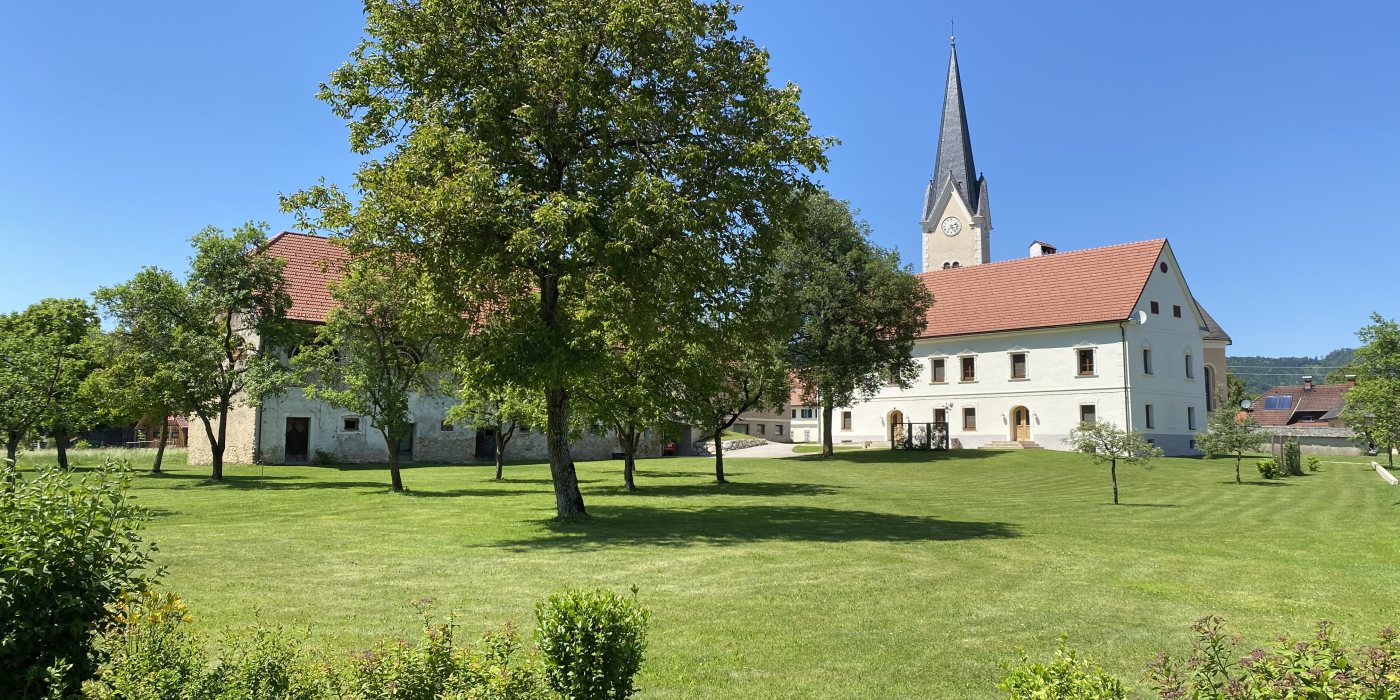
957,220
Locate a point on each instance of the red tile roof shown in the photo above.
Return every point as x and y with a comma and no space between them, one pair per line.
313,264
1064,289
1320,400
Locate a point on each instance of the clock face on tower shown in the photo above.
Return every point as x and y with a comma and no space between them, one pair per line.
951,226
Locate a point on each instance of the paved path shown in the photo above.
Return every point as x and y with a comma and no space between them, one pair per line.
772,449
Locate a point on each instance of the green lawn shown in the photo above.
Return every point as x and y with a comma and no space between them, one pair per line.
871,575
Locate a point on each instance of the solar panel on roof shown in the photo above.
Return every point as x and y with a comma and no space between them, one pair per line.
1278,403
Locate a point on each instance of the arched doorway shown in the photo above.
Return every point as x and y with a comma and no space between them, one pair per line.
1020,423
896,426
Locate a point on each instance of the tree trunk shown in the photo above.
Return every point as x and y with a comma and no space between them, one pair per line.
60,439
1238,456
218,450
719,457
828,446
629,458
395,478
160,449
12,459
568,501
1113,472
500,456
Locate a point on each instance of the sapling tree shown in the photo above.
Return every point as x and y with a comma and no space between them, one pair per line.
372,354
721,381
532,156
1230,434
505,410
1106,443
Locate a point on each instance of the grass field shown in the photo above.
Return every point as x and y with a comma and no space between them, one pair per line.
870,575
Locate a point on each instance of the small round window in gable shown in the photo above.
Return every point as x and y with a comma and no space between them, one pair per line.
1163,266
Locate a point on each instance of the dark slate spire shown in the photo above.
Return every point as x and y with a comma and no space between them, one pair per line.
954,145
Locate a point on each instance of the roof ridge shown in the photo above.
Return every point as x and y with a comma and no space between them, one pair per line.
1057,256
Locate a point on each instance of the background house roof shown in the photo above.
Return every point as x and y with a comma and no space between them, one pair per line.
1304,407
313,264
1085,286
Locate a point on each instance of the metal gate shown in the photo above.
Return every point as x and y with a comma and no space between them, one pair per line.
920,436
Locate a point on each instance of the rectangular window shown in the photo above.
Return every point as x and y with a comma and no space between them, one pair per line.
778,429
1190,369
1151,422
794,413
445,427
1147,360
845,420
1088,413
940,415
1086,362
350,424
1155,308
969,419
807,413
969,369
1191,418
1018,365
938,364
1176,310
762,429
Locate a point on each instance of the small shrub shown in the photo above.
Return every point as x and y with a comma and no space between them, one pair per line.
1292,459
149,652
1319,667
1268,468
1067,677
592,642
435,668
1314,463
70,545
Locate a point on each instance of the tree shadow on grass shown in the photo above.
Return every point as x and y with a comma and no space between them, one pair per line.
632,526
1143,505
1256,483
887,456
266,481
733,488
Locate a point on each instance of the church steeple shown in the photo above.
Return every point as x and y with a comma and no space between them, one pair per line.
954,161
956,217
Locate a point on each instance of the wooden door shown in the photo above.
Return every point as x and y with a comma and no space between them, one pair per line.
1023,424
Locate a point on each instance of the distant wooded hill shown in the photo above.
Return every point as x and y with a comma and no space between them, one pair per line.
1262,373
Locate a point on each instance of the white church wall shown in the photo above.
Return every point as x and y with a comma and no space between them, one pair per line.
1053,391
1178,401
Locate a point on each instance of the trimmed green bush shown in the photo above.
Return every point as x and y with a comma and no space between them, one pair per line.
1314,463
592,643
1292,458
1268,468
69,545
1066,677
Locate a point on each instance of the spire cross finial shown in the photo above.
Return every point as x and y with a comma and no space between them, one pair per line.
952,33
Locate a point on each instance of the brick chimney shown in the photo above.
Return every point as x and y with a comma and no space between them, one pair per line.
1351,380
1307,382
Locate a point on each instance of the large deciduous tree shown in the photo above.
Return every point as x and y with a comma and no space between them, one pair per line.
1230,434
860,310
374,350
1109,444
532,155
1372,407
228,326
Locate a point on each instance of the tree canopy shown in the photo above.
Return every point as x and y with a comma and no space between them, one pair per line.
1372,407
1230,435
860,310
1106,443
535,157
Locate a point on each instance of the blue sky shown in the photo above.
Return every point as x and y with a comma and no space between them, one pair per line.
1263,139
